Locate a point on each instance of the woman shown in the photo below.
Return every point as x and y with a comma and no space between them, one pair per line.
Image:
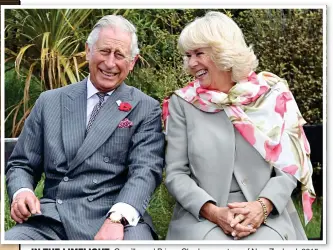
236,146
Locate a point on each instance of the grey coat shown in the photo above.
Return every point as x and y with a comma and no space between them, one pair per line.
85,176
204,152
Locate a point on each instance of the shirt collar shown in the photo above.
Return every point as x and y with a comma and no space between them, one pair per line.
91,90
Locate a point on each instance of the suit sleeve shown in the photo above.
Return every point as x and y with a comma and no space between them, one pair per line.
24,166
145,160
278,190
178,175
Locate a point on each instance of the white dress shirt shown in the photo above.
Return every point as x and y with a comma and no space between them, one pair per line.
126,210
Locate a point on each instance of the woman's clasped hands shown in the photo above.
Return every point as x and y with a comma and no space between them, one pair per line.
238,219
252,220
224,217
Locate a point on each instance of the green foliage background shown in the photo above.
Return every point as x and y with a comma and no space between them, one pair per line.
288,43
45,50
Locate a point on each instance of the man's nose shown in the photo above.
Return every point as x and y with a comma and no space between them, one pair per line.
110,60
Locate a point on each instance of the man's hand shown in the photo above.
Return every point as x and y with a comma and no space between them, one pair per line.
24,204
110,231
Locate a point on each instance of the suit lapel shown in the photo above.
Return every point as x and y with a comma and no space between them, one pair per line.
104,125
74,113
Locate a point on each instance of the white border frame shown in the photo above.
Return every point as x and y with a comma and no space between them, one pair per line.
166,242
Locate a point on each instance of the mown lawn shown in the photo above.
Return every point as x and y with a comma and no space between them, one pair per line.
161,207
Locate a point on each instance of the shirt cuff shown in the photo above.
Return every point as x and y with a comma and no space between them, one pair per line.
127,211
21,190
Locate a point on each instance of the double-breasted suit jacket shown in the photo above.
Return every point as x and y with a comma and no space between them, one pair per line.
86,175
204,155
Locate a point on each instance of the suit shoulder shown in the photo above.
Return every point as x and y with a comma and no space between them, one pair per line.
65,89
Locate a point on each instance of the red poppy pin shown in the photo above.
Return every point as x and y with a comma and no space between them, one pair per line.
125,106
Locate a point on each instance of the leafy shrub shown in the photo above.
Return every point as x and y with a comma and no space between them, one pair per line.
289,43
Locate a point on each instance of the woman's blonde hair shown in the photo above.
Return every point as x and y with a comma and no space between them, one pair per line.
220,33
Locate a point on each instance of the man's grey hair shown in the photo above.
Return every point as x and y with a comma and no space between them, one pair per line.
119,22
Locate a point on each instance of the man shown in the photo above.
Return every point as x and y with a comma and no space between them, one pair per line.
101,147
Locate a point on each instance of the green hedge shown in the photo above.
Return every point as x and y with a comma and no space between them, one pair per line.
287,42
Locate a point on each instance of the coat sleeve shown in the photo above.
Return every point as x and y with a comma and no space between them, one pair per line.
25,165
178,176
145,159
278,190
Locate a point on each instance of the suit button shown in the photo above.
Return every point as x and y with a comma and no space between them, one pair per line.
59,201
106,159
286,236
95,181
90,198
244,181
66,178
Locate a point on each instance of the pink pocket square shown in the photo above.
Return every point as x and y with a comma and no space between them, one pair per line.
125,123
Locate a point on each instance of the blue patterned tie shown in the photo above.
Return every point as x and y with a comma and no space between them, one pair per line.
96,110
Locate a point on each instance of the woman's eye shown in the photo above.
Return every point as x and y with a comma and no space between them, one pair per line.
199,53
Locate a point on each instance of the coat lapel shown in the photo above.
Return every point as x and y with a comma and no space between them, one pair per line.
73,118
104,125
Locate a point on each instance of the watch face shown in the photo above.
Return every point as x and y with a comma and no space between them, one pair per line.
115,216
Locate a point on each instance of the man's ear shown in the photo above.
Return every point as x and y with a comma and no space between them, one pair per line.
88,52
134,61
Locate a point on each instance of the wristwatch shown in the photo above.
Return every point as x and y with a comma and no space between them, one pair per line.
116,217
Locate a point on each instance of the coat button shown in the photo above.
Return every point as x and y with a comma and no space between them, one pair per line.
95,181
106,159
286,236
66,178
244,181
90,198
59,201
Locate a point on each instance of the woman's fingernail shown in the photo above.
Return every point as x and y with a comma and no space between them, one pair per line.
233,234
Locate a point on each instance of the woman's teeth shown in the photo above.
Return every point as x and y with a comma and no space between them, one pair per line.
200,73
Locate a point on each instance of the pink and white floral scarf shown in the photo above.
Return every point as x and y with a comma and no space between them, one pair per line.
265,113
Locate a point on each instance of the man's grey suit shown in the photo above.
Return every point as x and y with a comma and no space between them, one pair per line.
85,176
